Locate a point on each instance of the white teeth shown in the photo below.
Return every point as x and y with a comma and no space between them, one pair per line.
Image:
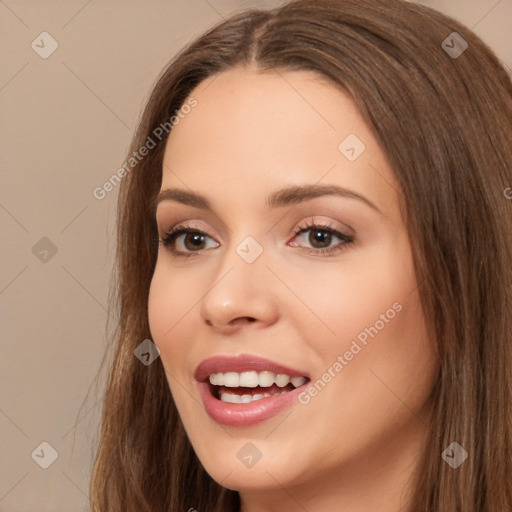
298,381
282,380
249,379
266,379
217,379
252,379
232,398
231,380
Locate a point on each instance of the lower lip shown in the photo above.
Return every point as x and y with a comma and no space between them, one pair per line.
242,415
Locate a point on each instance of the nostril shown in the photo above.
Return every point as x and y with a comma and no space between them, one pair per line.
243,319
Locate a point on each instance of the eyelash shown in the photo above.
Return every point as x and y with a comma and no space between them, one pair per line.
169,238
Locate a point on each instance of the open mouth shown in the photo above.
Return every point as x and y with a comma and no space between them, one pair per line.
245,389
250,386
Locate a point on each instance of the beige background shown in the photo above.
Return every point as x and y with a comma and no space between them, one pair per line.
66,125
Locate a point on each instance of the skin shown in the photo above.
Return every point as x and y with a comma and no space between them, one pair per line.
353,446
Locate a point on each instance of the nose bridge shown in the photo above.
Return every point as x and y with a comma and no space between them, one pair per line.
245,250
241,287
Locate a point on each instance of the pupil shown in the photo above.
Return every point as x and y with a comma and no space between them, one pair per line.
321,236
197,239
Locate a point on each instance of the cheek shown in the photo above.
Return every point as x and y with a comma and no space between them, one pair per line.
159,303
401,356
165,308
387,359
357,299
172,297
370,321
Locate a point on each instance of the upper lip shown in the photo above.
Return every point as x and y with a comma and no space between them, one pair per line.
241,363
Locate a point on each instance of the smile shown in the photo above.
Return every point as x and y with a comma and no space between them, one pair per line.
245,387
254,389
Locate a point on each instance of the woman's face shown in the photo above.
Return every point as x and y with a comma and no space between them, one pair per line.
254,304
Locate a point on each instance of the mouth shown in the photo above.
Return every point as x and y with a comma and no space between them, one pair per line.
246,387
244,390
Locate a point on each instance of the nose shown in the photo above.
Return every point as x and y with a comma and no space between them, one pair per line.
240,294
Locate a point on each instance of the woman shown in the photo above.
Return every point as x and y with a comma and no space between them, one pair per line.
364,367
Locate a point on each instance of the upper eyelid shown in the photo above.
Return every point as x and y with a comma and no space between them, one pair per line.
305,225
192,224
307,204
312,218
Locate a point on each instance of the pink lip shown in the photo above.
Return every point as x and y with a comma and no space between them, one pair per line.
240,415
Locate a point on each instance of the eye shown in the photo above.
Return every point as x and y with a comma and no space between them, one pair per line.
193,241
321,236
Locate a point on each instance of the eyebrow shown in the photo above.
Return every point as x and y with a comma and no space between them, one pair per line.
284,197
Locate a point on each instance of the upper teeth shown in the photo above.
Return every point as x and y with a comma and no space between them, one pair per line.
253,379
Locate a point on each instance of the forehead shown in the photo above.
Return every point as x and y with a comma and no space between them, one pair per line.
244,105
253,132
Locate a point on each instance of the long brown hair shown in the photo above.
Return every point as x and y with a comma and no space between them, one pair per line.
445,122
